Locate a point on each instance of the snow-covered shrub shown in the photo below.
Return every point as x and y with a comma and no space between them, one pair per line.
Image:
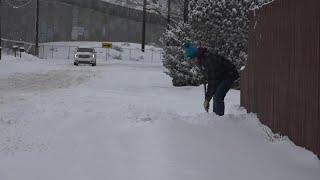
125,44
117,48
220,25
178,68
117,57
141,57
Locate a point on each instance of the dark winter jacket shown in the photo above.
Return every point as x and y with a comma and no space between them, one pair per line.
216,68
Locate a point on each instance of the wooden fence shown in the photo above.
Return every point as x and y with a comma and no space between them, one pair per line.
281,82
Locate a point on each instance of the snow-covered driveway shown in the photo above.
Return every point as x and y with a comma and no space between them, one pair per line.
124,120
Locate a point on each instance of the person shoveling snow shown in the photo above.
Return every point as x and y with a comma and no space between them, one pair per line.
219,73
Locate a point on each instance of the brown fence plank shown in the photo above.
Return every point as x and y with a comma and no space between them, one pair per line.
281,82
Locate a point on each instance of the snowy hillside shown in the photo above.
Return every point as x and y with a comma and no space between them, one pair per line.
124,120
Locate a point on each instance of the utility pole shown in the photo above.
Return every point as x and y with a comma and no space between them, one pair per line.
37,29
169,11
0,29
144,25
185,11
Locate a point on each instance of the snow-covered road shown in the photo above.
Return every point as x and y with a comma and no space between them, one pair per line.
124,120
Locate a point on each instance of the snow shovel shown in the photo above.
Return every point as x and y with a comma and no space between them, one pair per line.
205,91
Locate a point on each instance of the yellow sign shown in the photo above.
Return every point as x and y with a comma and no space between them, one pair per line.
106,45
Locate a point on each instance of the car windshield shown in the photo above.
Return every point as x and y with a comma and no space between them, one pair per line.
85,50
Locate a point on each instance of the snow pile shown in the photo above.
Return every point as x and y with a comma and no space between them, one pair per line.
124,120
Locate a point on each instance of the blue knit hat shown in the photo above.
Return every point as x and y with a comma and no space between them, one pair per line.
191,51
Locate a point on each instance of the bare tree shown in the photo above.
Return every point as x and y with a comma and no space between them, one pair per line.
160,7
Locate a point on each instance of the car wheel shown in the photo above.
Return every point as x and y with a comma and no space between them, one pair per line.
76,64
94,64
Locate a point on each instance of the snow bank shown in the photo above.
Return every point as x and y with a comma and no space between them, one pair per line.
124,120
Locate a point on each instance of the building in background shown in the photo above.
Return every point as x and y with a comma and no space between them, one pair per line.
84,20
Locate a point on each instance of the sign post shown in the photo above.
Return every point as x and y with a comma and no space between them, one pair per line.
107,46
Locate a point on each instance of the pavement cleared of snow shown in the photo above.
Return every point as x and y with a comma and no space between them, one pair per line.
51,80
124,120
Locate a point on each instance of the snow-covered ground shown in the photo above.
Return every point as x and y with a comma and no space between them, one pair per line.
124,120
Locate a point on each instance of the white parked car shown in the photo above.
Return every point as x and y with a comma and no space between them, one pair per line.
85,55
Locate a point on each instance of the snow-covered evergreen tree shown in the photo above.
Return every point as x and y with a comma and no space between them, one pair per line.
220,25
178,68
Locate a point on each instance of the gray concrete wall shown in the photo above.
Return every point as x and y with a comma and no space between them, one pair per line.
67,20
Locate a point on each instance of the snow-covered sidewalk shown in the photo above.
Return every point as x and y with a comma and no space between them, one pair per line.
124,120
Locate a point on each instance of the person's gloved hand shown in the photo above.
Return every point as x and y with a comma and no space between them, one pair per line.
206,105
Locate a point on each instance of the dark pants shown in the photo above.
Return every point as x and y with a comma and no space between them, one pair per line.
220,94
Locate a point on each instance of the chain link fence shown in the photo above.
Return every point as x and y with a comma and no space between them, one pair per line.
151,55
11,47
